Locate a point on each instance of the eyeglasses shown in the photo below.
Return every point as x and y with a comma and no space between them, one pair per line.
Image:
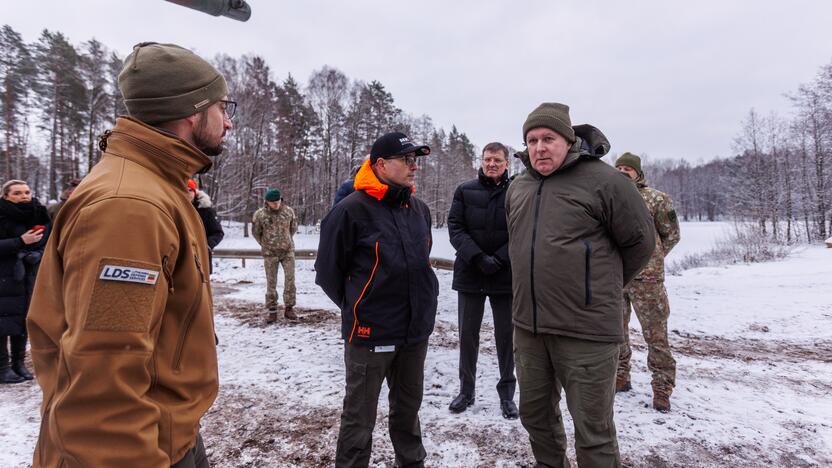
229,107
408,160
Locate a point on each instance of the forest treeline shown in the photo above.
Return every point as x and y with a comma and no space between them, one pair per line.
305,138
779,178
302,138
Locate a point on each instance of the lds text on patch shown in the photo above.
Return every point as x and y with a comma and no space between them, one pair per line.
129,274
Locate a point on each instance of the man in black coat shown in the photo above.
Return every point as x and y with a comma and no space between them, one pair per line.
478,231
374,263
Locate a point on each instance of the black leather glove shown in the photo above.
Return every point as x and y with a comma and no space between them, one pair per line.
488,264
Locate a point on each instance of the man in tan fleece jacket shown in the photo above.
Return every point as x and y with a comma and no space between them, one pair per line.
121,322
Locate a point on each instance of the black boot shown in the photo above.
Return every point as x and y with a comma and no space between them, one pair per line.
18,355
461,403
7,376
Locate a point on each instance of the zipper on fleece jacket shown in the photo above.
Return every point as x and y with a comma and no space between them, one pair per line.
534,239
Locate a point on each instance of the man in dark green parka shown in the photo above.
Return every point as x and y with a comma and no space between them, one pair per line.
578,232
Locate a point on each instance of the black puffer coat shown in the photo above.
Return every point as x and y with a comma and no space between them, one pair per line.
18,261
477,226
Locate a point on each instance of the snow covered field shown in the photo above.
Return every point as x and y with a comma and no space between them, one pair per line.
753,345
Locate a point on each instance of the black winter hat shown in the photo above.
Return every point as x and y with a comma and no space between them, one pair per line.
396,144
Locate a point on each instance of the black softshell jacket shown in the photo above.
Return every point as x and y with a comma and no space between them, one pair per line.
374,263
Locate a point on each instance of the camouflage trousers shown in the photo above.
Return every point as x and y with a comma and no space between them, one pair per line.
287,260
649,299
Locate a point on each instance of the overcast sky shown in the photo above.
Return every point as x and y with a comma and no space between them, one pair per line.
666,79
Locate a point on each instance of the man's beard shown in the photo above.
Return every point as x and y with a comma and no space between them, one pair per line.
201,143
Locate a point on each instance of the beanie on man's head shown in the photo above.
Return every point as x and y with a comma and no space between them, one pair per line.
630,160
553,115
164,82
272,194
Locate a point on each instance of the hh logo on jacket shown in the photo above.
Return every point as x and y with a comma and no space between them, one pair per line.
363,332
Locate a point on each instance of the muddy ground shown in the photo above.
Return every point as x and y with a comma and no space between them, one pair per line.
248,428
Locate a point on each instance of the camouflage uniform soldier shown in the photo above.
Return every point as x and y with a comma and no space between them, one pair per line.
273,227
647,295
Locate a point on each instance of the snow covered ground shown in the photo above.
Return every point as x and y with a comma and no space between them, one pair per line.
753,345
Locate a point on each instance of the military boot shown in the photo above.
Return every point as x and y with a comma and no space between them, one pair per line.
290,314
661,401
272,317
622,383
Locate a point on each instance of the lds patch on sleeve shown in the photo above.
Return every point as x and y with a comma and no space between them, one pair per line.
122,298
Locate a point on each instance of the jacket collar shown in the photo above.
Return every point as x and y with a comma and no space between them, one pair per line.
489,182
590,143
367,181
163,153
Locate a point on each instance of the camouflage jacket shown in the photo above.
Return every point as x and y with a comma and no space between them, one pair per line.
273,229
666,223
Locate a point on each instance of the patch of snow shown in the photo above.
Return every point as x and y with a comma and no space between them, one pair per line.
754,374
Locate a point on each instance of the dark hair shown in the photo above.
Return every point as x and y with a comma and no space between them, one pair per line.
494,147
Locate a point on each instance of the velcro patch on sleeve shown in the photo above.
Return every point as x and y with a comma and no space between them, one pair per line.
129,274
122,298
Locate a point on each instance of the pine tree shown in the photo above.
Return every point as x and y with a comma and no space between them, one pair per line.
16,76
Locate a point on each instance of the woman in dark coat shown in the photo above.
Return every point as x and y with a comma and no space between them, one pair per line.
24,228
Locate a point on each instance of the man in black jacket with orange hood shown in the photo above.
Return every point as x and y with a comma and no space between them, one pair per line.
374,263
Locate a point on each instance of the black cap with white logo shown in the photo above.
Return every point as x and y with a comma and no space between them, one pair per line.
396,144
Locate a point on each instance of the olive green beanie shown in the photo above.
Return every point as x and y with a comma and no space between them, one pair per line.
164,82
553,115
272,195
630,160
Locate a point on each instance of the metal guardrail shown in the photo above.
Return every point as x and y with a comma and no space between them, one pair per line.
310,254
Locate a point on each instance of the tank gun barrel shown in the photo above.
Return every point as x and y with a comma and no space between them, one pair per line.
234,9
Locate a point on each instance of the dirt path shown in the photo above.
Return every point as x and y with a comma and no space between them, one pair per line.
253,426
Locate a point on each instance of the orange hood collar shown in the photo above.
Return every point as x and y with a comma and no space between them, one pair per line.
367,181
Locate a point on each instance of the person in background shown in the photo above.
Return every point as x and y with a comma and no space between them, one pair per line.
54,208
208,215
347,186
647,294
24,228
478,232
274,227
